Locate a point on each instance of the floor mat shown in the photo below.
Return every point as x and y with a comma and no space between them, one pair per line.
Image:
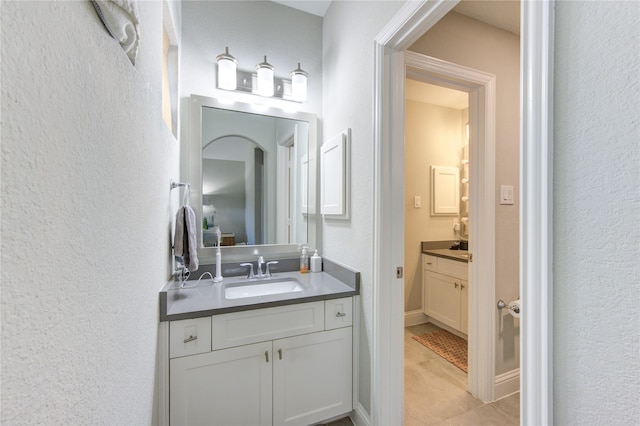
447,345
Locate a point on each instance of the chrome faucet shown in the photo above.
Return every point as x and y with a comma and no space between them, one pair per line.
259,269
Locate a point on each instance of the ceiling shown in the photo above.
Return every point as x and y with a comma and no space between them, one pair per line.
436,95
315,7
503,14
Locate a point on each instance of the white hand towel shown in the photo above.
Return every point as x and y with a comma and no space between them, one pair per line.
120,17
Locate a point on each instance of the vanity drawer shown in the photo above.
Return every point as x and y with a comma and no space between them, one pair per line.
338,313
259,325
430,263
453,268
189,337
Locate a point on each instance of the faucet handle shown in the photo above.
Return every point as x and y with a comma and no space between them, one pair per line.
273,262
250,265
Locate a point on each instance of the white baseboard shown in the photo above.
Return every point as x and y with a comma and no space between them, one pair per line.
414,318
507,383
360,417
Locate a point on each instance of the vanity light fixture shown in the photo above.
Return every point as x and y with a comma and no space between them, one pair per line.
262,81
227,65
265,78
299,84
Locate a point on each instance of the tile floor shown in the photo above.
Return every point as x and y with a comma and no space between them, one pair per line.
346,421
435,392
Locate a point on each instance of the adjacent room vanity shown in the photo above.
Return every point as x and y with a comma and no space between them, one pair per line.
280,359
445,287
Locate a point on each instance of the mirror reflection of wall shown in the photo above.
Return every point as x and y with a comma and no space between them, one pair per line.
230,165
249,167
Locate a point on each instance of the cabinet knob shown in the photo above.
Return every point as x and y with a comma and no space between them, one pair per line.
341,314
190,339
266,355
462,286
456,284
280,353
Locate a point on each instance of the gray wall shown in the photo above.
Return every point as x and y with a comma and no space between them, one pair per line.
230,200
596,174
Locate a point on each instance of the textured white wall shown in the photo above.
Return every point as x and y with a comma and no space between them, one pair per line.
348,57
596,203
86,164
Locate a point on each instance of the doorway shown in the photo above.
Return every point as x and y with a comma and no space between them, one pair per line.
438,119
480,88
537,53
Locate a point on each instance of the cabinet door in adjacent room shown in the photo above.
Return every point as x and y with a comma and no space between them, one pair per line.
442,299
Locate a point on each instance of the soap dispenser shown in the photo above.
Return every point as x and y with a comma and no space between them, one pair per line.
316,262
304,261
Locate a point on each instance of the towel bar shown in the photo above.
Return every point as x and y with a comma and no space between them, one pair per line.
174,184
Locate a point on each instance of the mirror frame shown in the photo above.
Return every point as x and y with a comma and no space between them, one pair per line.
193,175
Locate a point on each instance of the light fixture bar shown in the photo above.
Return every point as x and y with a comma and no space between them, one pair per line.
247,83
262,81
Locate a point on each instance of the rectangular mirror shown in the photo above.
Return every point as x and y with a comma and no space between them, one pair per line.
252,173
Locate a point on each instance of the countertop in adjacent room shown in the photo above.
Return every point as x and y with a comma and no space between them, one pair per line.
441,249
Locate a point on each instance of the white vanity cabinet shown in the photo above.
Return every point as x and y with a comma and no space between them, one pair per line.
312,377
225,387
285,365
445,291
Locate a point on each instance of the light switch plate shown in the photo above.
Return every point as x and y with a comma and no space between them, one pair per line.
417,202
506,195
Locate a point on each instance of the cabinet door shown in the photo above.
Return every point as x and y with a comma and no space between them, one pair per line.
312,377
225,387
442,299
464,307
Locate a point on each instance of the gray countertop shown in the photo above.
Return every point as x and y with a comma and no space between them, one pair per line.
458,255
207,298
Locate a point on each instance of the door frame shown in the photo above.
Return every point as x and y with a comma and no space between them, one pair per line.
536,283
481,87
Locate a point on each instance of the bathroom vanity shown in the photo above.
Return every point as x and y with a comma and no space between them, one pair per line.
445,287
278,359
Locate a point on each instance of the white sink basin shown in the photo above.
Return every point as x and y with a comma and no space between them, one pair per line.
262,288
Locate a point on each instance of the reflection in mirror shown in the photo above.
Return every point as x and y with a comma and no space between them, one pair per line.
250,174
